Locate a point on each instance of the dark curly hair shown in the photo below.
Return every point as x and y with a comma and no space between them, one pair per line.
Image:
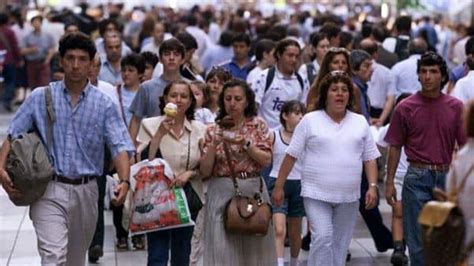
327,81
250,110
434,59
190,112
79,41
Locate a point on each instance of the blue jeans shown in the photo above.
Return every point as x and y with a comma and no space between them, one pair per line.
159,243
417,190
9,74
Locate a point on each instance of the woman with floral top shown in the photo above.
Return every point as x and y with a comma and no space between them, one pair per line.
250,149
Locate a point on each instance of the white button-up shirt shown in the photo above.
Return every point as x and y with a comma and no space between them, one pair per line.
380,86
406,77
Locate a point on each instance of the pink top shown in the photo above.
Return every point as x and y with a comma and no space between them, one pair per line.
254,129
427,128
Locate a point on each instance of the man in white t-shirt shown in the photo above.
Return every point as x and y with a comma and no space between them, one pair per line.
283,85
464,88
264,56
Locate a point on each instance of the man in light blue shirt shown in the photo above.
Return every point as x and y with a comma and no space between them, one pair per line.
406,77
110,70
65,217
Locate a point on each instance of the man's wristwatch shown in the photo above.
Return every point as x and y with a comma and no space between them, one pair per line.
125,181
247,145
374,185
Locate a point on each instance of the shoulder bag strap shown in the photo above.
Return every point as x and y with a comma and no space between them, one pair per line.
189,151
231,167
119,92
50,118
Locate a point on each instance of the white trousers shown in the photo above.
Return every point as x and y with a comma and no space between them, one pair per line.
332,225
65,218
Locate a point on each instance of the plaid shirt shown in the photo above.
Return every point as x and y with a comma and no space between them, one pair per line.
80,133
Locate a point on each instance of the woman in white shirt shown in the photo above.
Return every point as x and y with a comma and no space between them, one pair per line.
332,142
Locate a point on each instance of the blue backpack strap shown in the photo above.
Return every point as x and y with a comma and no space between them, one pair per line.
300,80
310,70
270,77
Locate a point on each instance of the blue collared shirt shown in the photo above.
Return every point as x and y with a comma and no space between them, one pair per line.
80,133
364,100
109,74
236,71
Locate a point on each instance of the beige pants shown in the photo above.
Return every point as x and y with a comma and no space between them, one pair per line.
64,219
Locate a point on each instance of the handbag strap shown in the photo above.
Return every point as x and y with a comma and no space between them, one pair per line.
50,118
231,167
119,93
189,151
455,190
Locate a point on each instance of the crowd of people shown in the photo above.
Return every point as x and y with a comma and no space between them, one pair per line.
323,110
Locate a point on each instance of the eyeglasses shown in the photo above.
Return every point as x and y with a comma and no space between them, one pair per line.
338,50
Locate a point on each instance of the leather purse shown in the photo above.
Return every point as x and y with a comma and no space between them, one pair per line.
246,215
444,229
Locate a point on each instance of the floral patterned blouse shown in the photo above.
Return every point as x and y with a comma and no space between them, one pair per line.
254,129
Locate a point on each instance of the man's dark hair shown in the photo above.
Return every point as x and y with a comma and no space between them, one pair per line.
150,58
134,60
417,46
316,37
403,24
187,40
3,18
281,47
242,37
172,45
79,41
379,33
469,47
433,59
191,20
105,22
226,38
345,38
263,46
330,29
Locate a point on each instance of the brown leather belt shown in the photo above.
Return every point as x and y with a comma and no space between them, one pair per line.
433,167
74,181
245,175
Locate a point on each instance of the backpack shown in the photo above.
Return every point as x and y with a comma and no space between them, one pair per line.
444,228
28,163
271,76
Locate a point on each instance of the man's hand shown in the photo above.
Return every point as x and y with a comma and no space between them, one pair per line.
277,196
7,184
371,198
390,193
121,191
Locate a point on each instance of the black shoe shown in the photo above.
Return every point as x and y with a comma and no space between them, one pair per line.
399,258
95,253
138,242
306,241
348,256
122,243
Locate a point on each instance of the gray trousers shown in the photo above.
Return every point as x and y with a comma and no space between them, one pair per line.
332,225
64,219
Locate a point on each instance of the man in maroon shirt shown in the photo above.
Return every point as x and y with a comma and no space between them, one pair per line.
12,59
428,125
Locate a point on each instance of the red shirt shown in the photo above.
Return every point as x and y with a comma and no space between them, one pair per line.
427,128
13,56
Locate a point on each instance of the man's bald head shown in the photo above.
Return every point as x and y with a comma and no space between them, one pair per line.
417,46
369,45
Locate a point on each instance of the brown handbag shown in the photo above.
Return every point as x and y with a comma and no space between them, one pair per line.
245,215
444,228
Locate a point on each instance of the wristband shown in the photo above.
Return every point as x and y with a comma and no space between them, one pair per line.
125,181
374,185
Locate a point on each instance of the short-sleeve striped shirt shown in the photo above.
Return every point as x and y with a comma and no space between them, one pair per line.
80,133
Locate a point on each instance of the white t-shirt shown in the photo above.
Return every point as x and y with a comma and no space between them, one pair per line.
279,148
403,164
380,86
464,88
333,155
204,116
254,75
281,90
